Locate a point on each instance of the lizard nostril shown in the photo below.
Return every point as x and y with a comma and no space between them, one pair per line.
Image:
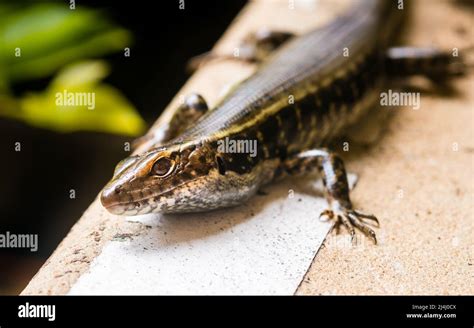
109,197
118,189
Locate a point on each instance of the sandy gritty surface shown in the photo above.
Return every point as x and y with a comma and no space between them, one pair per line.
417,177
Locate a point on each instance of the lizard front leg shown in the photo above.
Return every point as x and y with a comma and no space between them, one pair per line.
333,173
193,107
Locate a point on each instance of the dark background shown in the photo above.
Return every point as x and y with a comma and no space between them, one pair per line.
35,183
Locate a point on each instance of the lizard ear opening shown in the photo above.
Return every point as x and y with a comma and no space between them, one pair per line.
220,165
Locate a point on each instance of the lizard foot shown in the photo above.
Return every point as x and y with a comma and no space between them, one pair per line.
351,219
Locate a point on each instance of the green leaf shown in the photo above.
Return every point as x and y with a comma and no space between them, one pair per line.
26,69
82,74
40,28
77,101
49,36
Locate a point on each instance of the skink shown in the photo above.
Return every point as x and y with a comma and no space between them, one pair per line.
303,96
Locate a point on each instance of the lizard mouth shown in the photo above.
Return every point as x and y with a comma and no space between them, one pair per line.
117,209
132,208
115,204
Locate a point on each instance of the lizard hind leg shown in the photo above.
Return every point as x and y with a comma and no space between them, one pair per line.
333,173
428,61
254,48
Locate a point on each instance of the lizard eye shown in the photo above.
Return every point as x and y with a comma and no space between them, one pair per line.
163,167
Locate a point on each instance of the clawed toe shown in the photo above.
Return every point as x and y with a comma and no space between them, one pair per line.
367,216
326,215
352,219
356,221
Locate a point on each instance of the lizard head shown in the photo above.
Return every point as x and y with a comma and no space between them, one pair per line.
174,178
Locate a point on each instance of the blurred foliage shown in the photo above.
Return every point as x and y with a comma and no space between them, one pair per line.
41,39
110,111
